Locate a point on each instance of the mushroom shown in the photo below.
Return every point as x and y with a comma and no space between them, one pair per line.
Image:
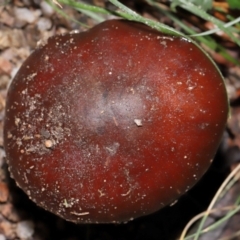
114,123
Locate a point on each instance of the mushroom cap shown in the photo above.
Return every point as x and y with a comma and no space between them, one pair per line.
113,123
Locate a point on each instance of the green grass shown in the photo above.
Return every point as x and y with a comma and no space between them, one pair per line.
199,8
229,182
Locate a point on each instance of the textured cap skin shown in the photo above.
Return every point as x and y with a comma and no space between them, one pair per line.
113,123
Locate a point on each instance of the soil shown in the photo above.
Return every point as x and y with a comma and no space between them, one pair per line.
23,23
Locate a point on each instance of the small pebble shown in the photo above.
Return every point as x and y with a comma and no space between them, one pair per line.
7,19
2,153
4,192
5,66
25,229
2,237
26,15
7,229
44,24
46,9
11,38
231,91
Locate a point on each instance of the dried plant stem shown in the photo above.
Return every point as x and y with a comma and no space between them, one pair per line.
210,207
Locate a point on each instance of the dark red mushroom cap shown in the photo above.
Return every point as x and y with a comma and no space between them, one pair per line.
113,123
